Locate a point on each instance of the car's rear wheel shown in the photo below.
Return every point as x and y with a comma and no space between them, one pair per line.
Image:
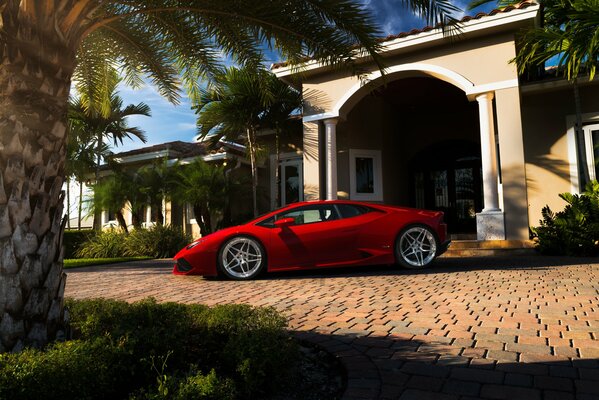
416,247
241,258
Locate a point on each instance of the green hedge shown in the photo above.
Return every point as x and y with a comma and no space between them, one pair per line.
165,351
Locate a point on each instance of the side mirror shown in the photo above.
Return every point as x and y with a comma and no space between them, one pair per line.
284,222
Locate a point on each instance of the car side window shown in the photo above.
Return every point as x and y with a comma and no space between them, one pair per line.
351,210
310,214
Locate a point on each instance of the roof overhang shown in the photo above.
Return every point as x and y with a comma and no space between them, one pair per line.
499,22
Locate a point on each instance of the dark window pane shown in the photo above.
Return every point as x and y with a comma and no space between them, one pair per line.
595,136
292,182
364,175
350,210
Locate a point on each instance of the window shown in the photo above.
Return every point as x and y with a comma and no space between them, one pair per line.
352,210
365,174
291,185
591,139
305,215
310,214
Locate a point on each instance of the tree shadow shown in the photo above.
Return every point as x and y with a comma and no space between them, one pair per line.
440,266
404,366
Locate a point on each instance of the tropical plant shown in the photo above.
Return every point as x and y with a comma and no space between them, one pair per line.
100,127
286,102
240,102
155,183
575,230
47,44
204,186
158,241
569,36
119,191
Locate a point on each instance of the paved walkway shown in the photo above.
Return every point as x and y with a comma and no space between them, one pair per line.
523,328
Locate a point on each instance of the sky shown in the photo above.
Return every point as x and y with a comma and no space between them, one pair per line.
169,122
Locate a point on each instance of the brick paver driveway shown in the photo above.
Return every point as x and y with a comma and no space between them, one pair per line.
493,329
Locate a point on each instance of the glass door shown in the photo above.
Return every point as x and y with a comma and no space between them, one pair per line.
292,182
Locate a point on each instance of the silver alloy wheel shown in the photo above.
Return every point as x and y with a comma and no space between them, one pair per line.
417,247
241,258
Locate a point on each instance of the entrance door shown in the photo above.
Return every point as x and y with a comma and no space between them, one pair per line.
452,183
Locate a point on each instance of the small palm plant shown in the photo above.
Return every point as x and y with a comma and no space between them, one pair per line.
575,230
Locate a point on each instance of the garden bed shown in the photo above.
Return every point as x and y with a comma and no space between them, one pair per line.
87,262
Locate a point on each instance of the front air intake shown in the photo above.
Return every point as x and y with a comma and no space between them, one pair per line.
182,265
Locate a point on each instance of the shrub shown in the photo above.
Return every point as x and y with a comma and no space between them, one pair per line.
575,230
93,369
73,239
104,244
248,345
159,241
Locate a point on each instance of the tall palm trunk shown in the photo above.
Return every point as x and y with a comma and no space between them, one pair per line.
278,190
68,202
36,65
97,224
79,211
251,139
583,169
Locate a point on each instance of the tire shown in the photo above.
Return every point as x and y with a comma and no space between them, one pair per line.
416,247
241,258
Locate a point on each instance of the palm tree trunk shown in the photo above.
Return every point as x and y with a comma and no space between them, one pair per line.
278,167
97,225
252,150
80,205
583,170
68,202
35,73
121,220
198,215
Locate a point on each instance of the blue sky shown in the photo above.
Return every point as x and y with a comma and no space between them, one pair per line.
169,122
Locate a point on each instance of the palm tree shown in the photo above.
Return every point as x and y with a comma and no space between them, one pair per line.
80,161
156,182
204,187
86,115
287,101
46,44
235,104
569,34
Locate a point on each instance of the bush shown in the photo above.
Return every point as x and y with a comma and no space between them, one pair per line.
245,345
159,241
72,239
104,244
575,230
92,369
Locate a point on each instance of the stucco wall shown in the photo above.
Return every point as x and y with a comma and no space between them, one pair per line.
548,165
481,61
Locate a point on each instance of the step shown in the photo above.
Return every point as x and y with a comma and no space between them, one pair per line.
489,248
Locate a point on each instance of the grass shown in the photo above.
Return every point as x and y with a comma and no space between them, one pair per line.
86,262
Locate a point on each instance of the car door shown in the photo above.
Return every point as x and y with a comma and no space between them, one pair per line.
318,236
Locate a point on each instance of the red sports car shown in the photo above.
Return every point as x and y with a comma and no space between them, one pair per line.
318,234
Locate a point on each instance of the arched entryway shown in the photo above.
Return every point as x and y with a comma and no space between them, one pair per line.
419,138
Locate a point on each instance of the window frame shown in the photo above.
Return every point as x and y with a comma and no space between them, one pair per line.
377,171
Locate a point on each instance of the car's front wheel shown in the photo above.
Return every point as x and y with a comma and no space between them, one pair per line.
416,247
241,258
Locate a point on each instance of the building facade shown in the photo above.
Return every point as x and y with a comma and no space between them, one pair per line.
449,125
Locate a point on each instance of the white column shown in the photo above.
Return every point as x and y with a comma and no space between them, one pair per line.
331,156
488,151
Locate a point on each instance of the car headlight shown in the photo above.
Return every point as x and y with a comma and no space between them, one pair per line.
194,244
